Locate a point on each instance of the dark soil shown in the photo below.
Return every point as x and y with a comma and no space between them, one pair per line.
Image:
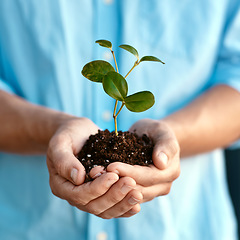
105,147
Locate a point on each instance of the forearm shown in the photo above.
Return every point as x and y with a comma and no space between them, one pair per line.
211,121
25,127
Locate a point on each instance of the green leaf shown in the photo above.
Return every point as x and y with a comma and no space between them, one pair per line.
139,102
151,58
130,49
115,85
104,43
96,70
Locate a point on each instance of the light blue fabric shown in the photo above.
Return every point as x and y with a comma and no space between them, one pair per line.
43,47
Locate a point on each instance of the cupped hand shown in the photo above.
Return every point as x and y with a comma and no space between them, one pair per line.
107,196
154,180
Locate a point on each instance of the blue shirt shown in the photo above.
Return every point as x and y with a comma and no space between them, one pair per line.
43,47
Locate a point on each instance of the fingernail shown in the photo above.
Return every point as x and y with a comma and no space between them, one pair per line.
132,212
163,158
74,174
125,189
97,175
133,201
116,171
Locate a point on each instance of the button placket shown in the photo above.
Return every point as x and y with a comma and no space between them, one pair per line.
107,55
108,2
107,115
102,236
106,27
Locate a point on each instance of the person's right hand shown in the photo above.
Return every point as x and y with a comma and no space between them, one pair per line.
107,196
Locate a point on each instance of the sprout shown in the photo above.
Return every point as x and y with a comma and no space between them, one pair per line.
115,85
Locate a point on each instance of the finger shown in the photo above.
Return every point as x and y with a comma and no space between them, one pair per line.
143,175
165,149
117,192
151,192
147,175
133,197
136,209
97,171
163,137
67,165
81,195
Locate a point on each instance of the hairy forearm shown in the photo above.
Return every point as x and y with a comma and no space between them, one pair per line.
25,127
211,121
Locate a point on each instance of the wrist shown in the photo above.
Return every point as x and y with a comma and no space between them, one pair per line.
45,122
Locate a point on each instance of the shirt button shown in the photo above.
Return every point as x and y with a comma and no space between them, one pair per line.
102,236
107,56
107,116
108,1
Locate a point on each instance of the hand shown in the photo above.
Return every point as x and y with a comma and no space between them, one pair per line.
154,180
106,196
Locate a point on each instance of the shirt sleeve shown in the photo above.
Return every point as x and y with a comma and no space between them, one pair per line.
227,70
4,85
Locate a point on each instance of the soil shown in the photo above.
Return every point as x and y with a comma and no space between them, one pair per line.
105,147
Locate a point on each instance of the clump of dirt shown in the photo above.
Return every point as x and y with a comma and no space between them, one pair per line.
105,147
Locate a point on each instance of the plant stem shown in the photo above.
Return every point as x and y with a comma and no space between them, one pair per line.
115,117
115,60
115,107
135,64
120,108
116,103
115,123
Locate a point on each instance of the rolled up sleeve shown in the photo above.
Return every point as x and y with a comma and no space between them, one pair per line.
227,69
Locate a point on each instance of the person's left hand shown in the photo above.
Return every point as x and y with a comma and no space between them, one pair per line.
154,180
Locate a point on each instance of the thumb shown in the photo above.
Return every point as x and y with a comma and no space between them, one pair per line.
164,151
67,166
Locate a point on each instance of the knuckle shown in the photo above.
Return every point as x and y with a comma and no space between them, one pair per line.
52,187
127,181
105,216
124,209
92,191
167,190
171,177
110,178
92,209
77,200
97,191
81,202
177,173
114,198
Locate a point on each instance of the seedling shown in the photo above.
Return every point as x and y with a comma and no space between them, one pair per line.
115,85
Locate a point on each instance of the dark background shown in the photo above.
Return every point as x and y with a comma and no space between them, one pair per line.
233,176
